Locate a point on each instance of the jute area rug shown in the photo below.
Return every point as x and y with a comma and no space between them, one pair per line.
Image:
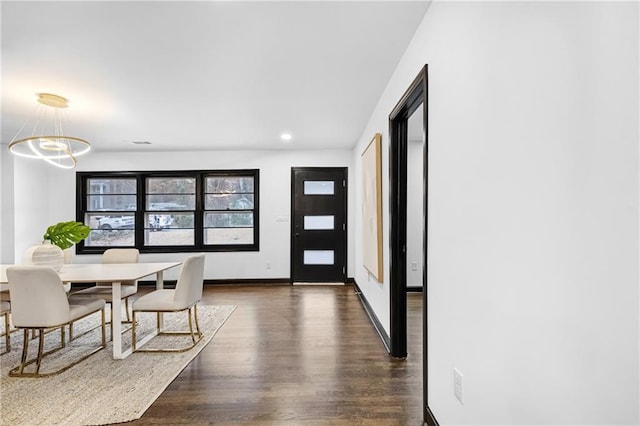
100,390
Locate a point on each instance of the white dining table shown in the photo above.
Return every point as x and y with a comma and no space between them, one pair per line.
108,274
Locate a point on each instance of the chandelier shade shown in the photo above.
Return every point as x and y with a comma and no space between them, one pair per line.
47,141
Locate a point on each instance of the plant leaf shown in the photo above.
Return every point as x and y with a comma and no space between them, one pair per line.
66,234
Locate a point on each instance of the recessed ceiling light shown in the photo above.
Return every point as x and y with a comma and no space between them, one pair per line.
141,142
286,136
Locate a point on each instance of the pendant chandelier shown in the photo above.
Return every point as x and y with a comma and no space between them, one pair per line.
47,141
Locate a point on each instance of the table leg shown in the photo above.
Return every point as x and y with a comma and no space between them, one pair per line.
116,326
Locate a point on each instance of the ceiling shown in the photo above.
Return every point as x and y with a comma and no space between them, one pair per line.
204,75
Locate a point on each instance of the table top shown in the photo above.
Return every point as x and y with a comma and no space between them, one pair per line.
103,272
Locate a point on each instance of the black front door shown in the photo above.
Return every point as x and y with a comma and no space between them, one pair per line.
319,224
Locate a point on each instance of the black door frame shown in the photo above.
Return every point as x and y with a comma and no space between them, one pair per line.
416,95
345,170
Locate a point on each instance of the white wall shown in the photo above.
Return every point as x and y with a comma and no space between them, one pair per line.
30,210
6,207
533,233
275,195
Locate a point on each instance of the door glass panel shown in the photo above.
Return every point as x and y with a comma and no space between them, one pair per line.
318,257
318,187
318,222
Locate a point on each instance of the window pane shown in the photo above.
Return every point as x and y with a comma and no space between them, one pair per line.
228,220
318,222
111,221
158,222
110,194
168,229
169,237
171,202
229,202
170,194
109,202
111,186
318,257
110,230
173,185
163,221
229,184
316,187
228,236
99,238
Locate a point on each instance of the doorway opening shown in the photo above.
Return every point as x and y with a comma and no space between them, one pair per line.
401,130
415,205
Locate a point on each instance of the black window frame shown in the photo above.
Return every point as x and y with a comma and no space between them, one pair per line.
82,178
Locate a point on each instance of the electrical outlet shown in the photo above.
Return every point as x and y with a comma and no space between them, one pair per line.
268,264
457,385
414,266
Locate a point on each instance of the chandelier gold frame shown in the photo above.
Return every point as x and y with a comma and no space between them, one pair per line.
50,144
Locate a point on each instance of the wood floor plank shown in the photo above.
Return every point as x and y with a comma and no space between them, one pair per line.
296,355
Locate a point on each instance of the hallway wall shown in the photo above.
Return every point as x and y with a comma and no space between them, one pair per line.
533,232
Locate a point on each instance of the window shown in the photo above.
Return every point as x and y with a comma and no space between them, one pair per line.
169,211
170,206
228,210
109,211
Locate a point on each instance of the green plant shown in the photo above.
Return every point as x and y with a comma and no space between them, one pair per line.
66,234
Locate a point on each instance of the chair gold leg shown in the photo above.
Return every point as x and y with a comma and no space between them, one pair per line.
158,321
133,332
7,333
70,331
195,316
196,336
193,338
19,371
25,349
40,349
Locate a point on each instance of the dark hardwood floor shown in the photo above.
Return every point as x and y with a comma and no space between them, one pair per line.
296,355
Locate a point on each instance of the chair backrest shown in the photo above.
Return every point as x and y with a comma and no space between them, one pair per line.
122,255
37,296
189,286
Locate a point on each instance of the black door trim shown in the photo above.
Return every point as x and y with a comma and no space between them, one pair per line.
345,171
416,95
410,101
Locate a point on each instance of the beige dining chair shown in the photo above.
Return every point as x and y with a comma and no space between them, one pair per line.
5,310
39,302
185,296
127,289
